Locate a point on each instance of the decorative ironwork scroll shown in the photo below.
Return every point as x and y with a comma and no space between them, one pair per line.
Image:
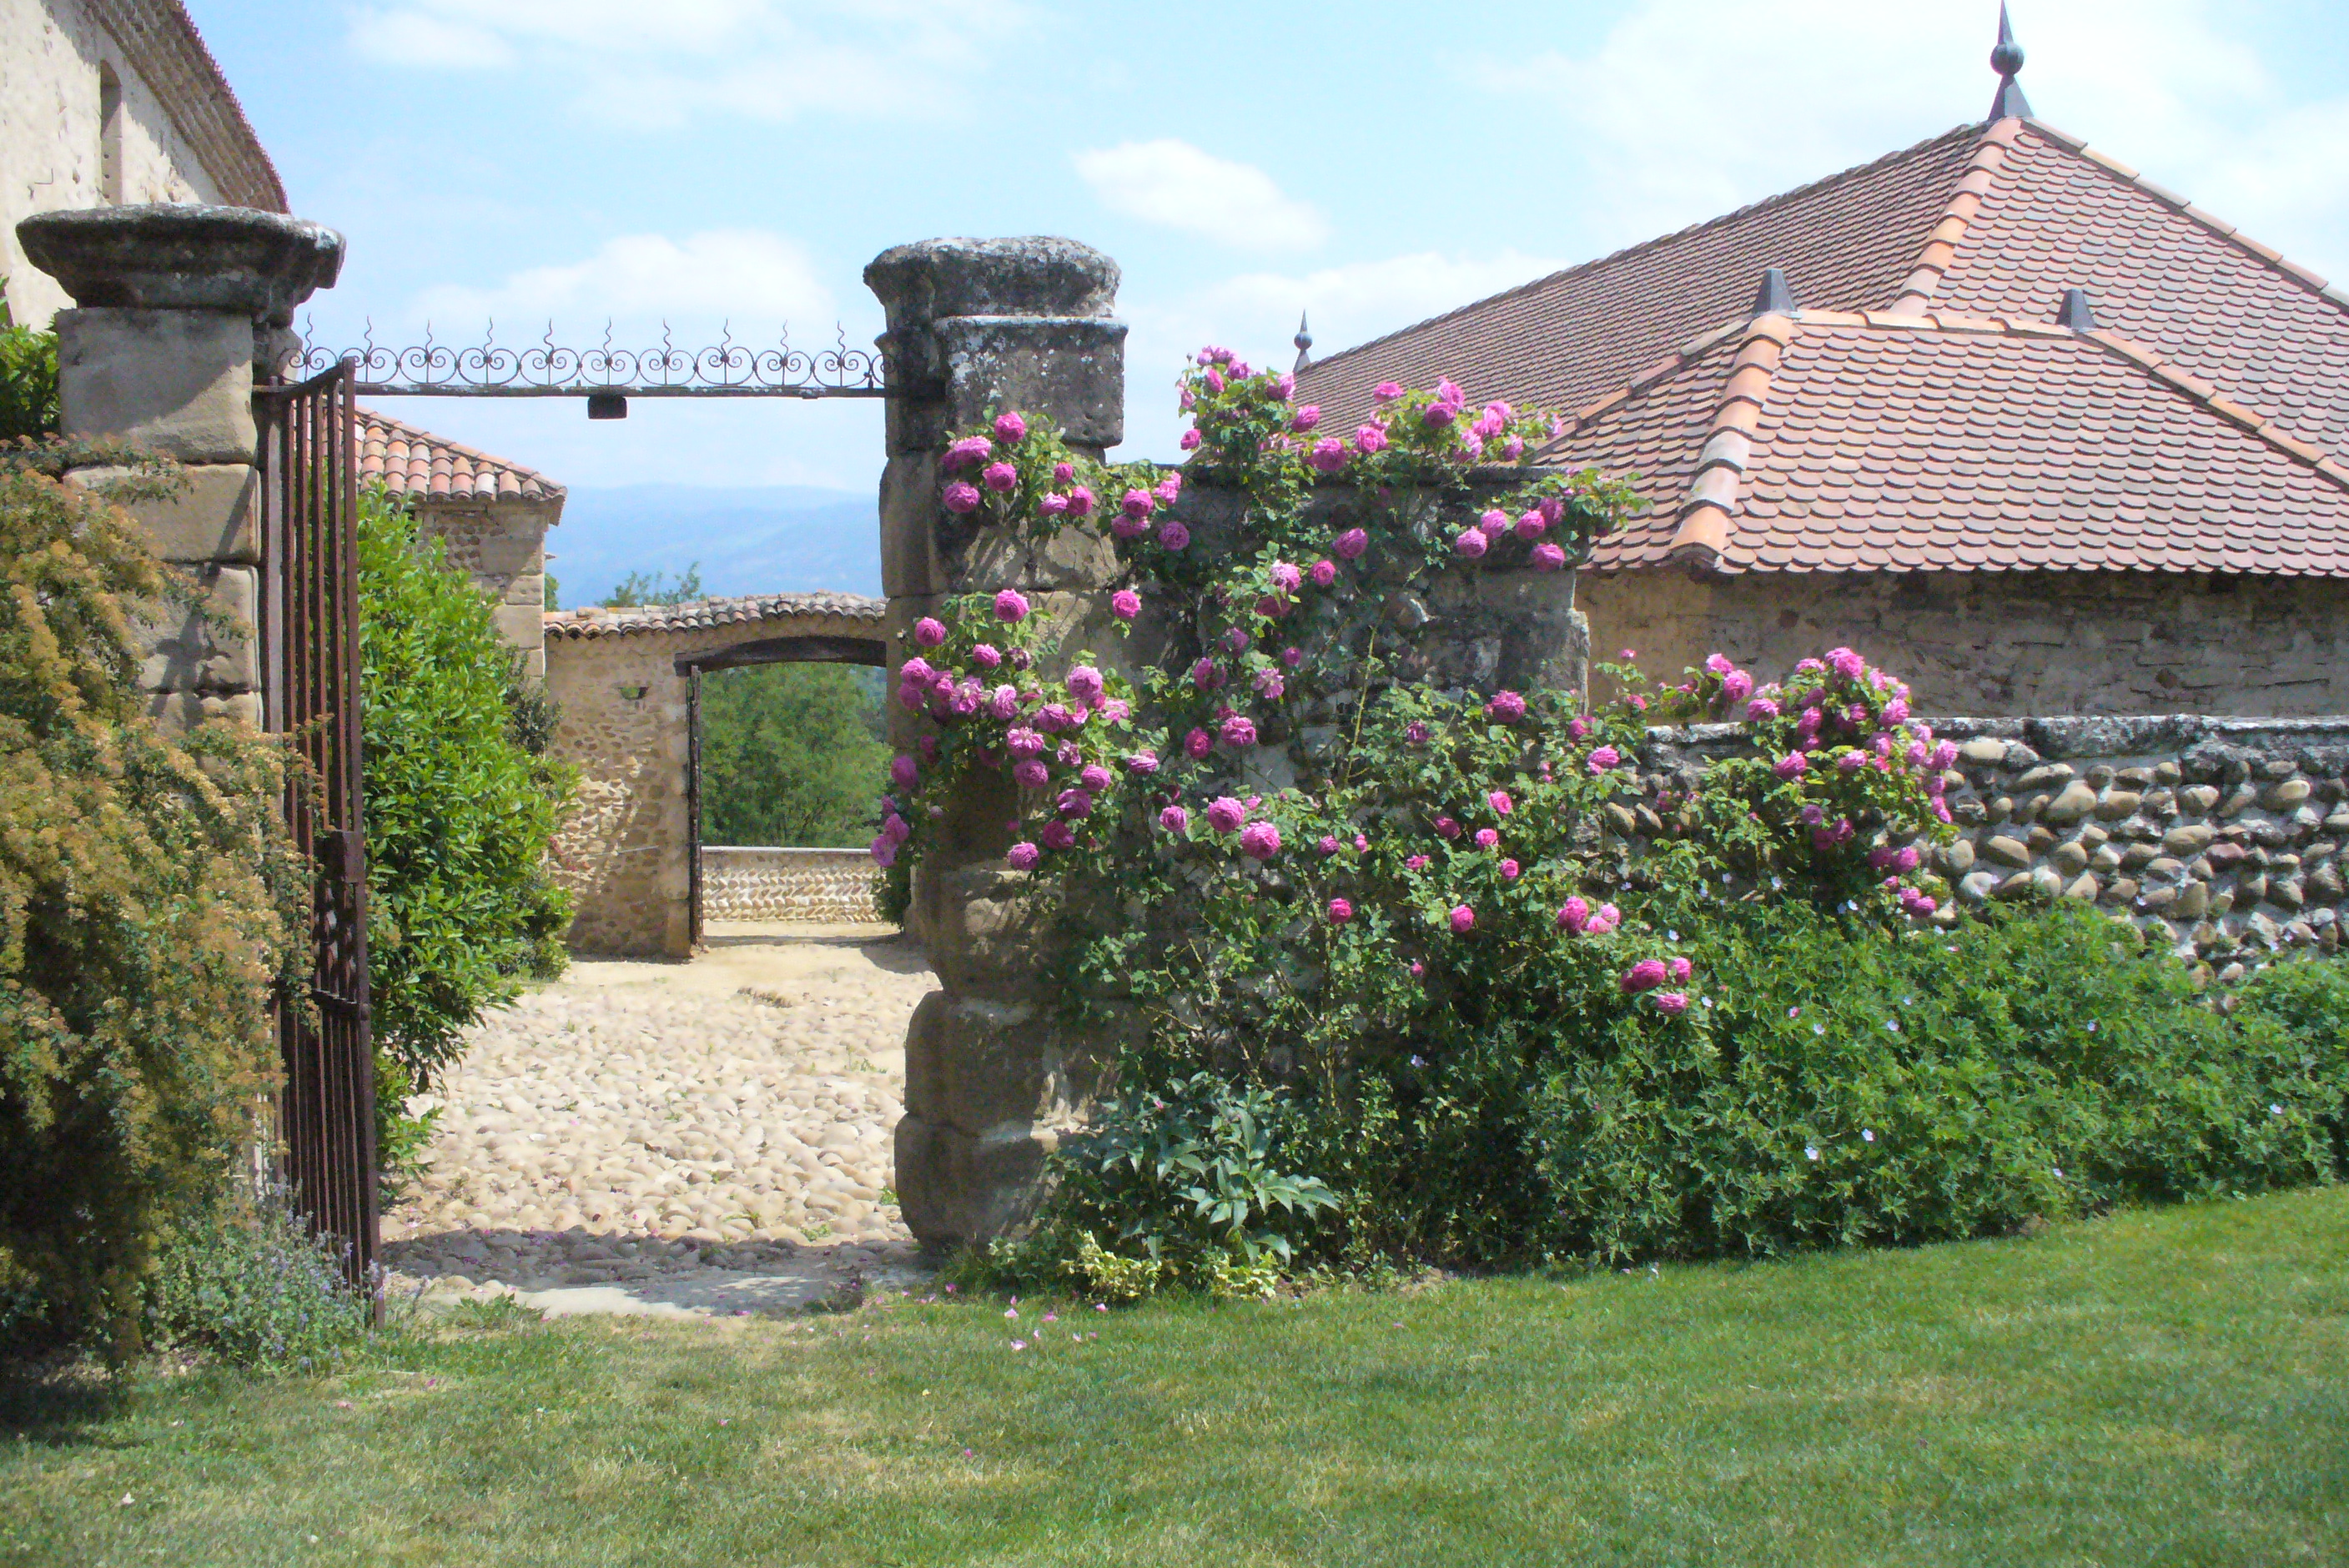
549,369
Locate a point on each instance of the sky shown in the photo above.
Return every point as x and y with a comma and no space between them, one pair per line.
733,164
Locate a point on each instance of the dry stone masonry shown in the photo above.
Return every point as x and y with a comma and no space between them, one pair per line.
806,887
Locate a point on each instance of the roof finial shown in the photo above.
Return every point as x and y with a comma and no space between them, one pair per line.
2006,60
2077,313
1304,341
1773,298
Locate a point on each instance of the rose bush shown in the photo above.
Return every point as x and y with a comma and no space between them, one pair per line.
1418,909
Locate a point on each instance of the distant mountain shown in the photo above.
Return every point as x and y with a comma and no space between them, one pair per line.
774,540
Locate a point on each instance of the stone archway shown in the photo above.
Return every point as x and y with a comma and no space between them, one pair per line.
622,681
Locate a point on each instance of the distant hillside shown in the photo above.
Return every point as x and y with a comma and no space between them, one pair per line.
763,541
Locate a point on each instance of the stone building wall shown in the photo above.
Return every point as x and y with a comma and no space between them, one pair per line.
2006,643
625,848
52,135
819,887
2220,837
501,544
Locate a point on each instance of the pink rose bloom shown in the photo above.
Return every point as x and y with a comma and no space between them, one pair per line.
1292,657
1051,505
1174,819
1907,860
1260,841
960,497
1081,501
928,633
1509,870
1508,706
1513,447
1032,774
1022,856
1174,535
1236,641
1494,523
895,828
1445,828
1022,742
1214,379
966,451
1577,726
1096,778
1003,703
1143,762
986,657
1075,803
1239,731
1464,920
1760,708
885,853
1283,385
1084,683
1435,415
1198,744
1226,814
1736,685
1416,732
1573,915
1305,418
1368,439
1472,542
1680,967
1416,863
1645,976
1269,685
1794,764
1340,911
1850,761
1500,802
1845,663
1943,754
1190,442
1125,603
1009,429
1350,545
1552,509
1361,843
1058,835
1010,606
1125,526
1063,472
1323,574
1286,577
1547,557
904,771
1895,711
1603,758
1386,391
1531,525
1486,838
916,669
1327,456
1054,718
1417,969
1672,1003
1329,844
999,476
1718,663
1205,676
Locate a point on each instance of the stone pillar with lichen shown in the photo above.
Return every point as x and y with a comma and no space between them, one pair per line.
977,327
175,307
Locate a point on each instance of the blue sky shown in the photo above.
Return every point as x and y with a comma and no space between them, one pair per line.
694,160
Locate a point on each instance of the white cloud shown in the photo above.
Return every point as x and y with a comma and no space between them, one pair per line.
770,60
1174,184
757,280
1686,108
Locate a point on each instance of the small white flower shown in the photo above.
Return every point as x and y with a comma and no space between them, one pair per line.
1893,1025
1672,936
1867,1135
1809,1152
1819,1029
2275,1110
2059,1172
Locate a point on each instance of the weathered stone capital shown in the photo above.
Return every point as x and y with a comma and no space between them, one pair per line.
233,260
1037,274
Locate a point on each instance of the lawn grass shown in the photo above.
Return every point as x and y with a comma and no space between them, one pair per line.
2154,1387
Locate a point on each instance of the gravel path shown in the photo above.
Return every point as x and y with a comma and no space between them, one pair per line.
675,1137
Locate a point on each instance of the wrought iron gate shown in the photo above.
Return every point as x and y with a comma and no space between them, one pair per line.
309,609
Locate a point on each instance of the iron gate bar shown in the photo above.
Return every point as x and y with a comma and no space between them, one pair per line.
309,606
549,369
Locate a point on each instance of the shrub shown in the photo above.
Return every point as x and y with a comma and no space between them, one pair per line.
148,898
460,809
253,1286
28,379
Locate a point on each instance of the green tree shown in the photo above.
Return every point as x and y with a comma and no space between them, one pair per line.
28,378
461,804
150,902
638,588
788,754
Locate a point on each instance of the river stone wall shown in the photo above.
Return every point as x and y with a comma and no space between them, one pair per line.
2220,837
813,887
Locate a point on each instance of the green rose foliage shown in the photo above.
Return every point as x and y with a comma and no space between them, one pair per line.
28,379
150,910
460,808
1502,1000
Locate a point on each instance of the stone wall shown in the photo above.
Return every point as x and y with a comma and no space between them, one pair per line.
810,887
501,544
624,852
2016,643
2220,837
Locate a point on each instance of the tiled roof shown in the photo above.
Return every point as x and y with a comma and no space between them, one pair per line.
1563,340
697,615
413,462
1830,441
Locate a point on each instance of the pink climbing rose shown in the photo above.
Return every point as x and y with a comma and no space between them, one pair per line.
929,632
1022,856
960,497
1238,730
1488,838
1509,870
1603,758
1173,535
1508,706
1370,439
1226,814
1261,841
1327,456
1009,429
1096,778
1681,968
1350,545
1305,418
1672,1003
1010,606
1794,764
1032,774
1084,683
1081,501
1547,557
1464,920
904,771
1190,442
1500,802
1125,603
1323,574
1574,915
1143,763
1058,835
999,476
1472,542
1174,819
1340,911
1198,744
1645,976
1329,844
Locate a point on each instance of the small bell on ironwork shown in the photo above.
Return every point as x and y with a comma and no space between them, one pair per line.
606,406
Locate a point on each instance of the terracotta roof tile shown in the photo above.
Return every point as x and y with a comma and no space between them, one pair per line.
697,615
2069,453
414,462
1565,340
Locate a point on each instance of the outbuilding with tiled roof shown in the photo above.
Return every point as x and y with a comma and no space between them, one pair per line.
1995,409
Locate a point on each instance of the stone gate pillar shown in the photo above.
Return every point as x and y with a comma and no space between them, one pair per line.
976,328
176,305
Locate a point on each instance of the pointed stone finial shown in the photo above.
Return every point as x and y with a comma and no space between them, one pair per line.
1304,341
2076,313
1773,298
2006,60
